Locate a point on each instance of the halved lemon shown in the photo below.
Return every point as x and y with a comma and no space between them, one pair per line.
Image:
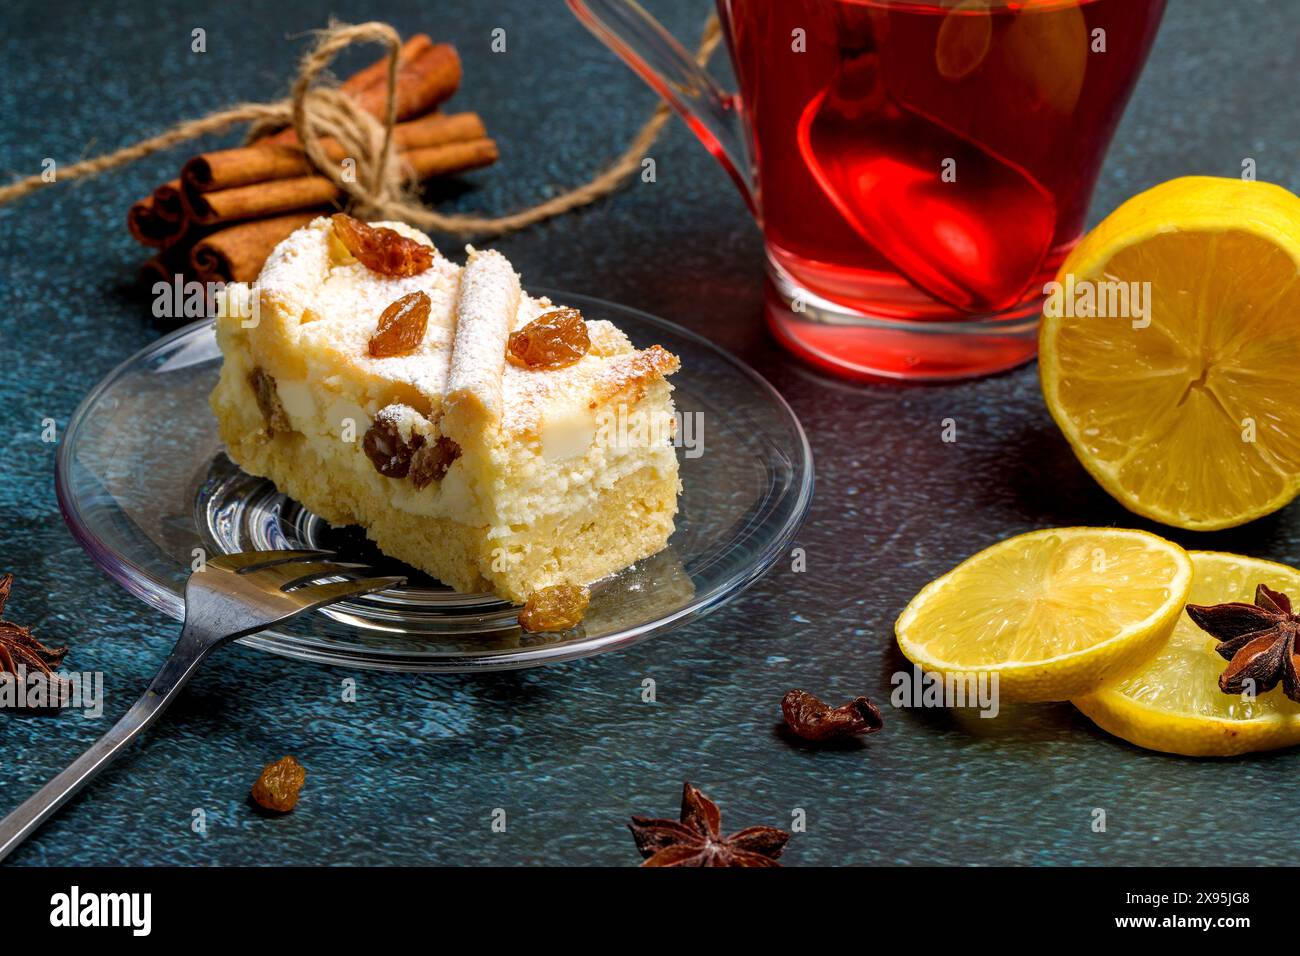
1055,614
1174,704
1185,403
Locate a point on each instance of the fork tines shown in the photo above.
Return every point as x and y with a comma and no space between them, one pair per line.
295,574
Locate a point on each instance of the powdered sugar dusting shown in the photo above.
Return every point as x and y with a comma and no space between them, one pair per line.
331,305
533,397
485,312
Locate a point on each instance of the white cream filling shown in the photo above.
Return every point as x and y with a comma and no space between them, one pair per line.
534,481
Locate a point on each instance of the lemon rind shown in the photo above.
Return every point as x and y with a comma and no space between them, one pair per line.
1154,621
1251,735
1196,213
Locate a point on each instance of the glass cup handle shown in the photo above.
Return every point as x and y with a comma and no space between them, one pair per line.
712,114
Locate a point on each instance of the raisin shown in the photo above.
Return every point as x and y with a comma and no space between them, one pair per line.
810,718
401,326
277,788
552,340
556,608
386,449
430,462
380,249
268,401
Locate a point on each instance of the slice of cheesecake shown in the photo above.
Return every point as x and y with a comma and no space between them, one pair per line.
492,439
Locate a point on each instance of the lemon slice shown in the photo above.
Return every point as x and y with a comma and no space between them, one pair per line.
964,39
1174,704
1055,613
1187,414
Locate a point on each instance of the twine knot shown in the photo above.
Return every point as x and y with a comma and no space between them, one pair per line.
375,184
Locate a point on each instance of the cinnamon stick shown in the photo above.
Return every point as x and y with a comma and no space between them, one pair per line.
376,74
167,202
436,129
237,253
158,219
227,168
280,196
431,75
261,199
243,166
449,158
147,227
164,267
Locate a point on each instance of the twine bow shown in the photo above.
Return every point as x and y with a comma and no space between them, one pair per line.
378,190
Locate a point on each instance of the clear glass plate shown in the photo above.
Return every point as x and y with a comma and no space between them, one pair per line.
146,488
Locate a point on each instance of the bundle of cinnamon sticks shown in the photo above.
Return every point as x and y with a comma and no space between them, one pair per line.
225,212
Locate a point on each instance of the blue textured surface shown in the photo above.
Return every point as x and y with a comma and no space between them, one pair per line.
411,772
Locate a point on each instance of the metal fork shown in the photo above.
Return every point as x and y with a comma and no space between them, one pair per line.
233,596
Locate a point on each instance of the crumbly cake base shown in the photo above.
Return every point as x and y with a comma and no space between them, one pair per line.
629,521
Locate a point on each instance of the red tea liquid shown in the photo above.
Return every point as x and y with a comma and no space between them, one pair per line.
931,160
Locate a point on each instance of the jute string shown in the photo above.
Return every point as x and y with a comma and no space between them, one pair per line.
379,189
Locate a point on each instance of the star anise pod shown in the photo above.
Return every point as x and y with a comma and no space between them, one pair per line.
698,841
1258,639
19,649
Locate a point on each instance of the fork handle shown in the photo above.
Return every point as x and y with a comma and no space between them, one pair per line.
176,671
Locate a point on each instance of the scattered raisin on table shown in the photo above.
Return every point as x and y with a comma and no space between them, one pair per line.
552,340
277,788
380,249
556,608
813,720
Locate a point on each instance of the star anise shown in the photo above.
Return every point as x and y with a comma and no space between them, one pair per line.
1258,639
19,649
698,841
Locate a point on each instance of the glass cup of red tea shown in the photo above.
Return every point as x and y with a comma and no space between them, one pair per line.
919,168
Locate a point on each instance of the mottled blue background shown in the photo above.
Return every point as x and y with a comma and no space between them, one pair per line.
411,772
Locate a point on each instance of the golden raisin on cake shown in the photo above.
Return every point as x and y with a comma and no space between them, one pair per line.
487,474
401,326
552,340
383,251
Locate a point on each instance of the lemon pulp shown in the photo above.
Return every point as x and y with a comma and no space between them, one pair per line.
1051,611
1186,413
